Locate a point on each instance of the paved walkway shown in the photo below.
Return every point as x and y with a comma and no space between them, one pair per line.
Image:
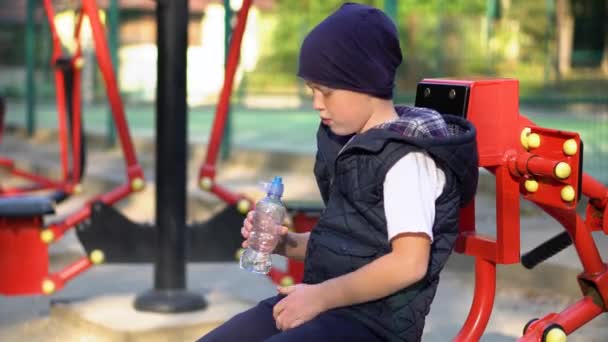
292,130
26,318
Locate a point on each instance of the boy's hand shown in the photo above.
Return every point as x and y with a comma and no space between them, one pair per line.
303,303
248,226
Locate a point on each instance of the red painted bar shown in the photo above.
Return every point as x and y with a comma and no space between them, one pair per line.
483,301
221,112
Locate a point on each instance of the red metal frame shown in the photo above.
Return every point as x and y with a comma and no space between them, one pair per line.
133,170
68,180
505,147
25,245
207,172
208,168
19,241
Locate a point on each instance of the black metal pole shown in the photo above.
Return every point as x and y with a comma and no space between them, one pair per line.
30,70
169,294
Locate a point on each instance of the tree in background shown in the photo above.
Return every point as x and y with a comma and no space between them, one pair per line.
528,40
294,19
424,28
565,34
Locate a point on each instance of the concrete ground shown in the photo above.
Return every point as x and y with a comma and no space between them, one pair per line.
28,318
521,294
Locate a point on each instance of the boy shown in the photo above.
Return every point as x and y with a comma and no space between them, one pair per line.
392,179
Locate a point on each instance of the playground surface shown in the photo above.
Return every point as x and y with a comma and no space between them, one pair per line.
292,129
275,147
27,318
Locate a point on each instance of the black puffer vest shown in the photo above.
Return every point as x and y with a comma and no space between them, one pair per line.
352,231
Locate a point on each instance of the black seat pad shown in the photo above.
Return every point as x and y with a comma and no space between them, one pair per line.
26,206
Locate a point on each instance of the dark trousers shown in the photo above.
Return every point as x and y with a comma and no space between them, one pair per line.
257,325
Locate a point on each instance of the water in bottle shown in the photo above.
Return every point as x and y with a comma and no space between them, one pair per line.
265,234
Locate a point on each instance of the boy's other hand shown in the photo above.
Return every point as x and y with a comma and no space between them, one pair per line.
303,303
248,226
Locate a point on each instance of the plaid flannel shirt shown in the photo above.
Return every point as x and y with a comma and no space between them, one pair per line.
417,122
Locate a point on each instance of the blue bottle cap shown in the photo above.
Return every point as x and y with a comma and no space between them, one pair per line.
276,187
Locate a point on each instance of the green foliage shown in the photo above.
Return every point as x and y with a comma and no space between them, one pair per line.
534,31
12,44
294,20
433,7
439,38
419,24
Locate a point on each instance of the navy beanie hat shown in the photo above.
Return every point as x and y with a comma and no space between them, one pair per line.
356,48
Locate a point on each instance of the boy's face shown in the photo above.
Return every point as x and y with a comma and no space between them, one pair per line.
343,111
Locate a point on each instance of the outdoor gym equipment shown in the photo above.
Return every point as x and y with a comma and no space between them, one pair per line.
67,74
542,165
303,215
207,170
23,237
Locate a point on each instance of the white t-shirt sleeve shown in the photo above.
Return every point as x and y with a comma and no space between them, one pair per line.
411,187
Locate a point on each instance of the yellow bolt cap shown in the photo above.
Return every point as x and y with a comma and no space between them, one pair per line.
48,286
287,281
570,147
531,185
534,140
206,183
524,137
77,189
562,170
97,257
79,63
47,236
239,253
568,193
243,206
137,184
556,335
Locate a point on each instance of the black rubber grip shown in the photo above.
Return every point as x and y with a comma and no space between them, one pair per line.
546,250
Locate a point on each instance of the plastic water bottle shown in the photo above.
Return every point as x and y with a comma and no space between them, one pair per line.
265,234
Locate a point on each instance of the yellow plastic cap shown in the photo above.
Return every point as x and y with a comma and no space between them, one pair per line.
77,189
568,193
206,183
556,335
534,140
287,281
79,63
524,137
137,184
48,286
97,257
239,253
531,185
562,170
47,236
570,147
243,206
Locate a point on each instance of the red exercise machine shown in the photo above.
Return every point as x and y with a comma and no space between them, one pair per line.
541,165
23,237
67,74
303,216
